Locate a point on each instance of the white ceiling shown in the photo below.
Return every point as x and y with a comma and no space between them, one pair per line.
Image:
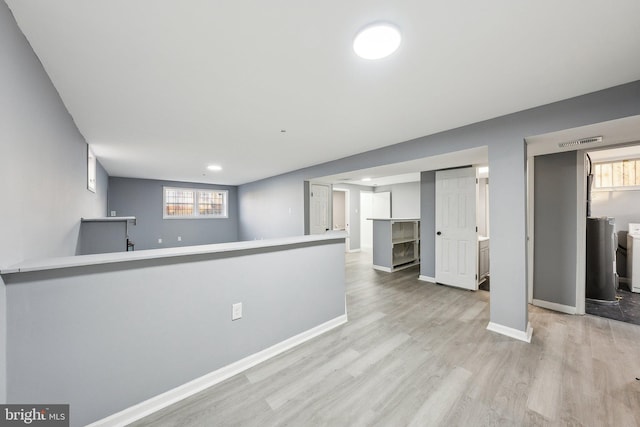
397,173
161,89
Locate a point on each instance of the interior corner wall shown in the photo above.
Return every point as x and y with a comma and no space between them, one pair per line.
405,199
428,224
274,207
43,159
555,248
143,198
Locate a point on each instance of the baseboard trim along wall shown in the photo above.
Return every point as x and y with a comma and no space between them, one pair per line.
512,333
427,279
555,306
381,268
352,251
172,396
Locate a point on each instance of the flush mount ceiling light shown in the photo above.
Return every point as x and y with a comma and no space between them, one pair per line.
214,168
377,40
366,179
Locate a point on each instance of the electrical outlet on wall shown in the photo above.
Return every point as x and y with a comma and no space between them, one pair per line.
179,238
160,240
236,311
113,213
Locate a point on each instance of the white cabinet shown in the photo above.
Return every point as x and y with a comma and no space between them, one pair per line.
396,243
483,258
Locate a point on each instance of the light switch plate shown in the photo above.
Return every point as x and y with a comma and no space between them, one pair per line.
236,311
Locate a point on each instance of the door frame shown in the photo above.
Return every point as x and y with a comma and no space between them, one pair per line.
581,242
364,222
347,215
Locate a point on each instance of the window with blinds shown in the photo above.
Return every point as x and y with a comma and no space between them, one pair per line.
615,175
181,203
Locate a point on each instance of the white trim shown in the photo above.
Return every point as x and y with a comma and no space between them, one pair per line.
530,226
555,306
512,333
351,251
427,279
156,403
581,233
381,268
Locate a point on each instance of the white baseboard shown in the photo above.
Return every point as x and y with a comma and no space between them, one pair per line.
512,333
554,306
351,251
154,404
427,279
381,268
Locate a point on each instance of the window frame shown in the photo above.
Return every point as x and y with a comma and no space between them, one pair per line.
196,197
610,188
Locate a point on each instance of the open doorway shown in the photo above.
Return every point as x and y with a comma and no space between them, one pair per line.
612,233
484,280
341,218
557,170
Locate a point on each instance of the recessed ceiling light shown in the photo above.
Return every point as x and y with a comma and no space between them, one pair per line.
366,179
377,41
214,167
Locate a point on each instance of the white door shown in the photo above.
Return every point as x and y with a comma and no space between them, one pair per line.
319,218
456,233
366,225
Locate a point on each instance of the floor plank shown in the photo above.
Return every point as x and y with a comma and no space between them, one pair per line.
417,353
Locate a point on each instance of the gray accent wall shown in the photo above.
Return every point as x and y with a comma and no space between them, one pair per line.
505,138
143,198
105,337
405,199
43,166
428,224
555,208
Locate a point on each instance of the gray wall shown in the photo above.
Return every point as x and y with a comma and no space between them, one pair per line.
555,207
159,323
43,165
428,224
142,198
624,206
504,136
405,199
43,159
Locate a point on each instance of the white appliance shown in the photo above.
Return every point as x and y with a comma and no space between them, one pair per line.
633,257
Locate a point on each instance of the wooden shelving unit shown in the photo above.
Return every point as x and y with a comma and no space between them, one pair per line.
396,243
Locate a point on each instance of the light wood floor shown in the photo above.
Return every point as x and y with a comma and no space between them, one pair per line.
418,354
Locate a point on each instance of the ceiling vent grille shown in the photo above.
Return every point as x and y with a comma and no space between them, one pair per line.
590,140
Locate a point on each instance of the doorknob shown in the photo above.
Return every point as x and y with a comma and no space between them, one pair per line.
439,233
